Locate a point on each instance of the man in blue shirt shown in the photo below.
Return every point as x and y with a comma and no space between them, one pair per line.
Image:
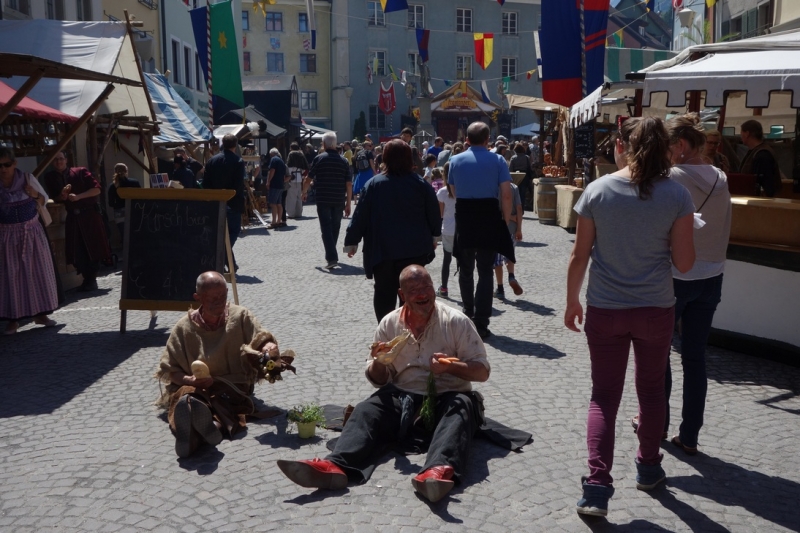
478,177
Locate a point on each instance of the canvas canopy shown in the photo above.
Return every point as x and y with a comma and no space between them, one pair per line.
178,122
757,66
31,108
103,47
516,101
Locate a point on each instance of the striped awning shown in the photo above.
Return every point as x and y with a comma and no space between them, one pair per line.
178,122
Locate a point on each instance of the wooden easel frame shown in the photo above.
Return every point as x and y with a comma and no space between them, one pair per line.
209,195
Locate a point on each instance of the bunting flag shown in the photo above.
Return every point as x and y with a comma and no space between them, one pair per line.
709,3
306,44
618,38
484,48
422,43
501,2
448,83
403,79
369,73
312,23
375,66
538,53
393,5
529,74
485,93
651,5
564,53
386,99
677,4
392,74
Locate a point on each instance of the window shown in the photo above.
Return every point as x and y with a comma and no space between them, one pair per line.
375,15
509,69
246,61
176,62
84,9
308,62
245,20
308,100
464,20
302,22
381,55
187,66
509,23
55,9
464,67
274,21
416,16
198,71
274,62
377,120
413,63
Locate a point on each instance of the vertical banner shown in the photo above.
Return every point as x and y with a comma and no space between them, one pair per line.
561,48
312,23
538,53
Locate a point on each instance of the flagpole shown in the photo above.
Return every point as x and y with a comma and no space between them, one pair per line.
209,84
583,53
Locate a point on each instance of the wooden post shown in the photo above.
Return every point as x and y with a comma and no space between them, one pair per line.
20,94
231,269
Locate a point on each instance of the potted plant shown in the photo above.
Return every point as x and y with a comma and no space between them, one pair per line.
306,416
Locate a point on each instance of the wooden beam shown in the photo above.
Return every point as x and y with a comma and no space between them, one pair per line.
135,158
73,130
20,94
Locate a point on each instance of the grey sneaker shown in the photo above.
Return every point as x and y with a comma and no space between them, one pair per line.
649,476
331,265
595,499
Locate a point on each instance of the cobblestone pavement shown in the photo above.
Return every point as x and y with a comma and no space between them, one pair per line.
82,448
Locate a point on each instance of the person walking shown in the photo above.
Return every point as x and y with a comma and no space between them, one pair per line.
477,178
632,224
226,170
447,209
698,291
333,184
297,169
364,167
398,219
276,176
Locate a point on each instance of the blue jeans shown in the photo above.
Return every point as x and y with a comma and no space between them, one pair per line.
330,221
695,304
477,300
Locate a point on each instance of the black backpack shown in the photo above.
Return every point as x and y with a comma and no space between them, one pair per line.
362,161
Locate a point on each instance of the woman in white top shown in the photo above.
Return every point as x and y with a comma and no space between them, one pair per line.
699,290
447,208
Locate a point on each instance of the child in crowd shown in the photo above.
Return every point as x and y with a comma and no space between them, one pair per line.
437,179
430,164
447,208
515,227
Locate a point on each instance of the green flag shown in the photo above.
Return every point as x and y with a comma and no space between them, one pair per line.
225,74
506,84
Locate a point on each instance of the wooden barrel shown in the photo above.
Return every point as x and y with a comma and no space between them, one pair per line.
546,200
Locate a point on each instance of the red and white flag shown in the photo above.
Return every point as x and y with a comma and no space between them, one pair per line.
386,100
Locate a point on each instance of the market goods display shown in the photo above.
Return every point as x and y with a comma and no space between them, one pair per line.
555,171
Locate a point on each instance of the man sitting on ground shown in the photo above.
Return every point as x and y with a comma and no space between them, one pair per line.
226,338
438,333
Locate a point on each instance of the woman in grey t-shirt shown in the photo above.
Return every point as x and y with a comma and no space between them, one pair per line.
635,224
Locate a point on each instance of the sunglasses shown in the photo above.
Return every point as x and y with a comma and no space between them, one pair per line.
7,165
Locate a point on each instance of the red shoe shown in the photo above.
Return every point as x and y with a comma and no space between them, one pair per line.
315,474
434,483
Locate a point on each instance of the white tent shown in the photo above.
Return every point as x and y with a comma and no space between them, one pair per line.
757,66
103,47
527,130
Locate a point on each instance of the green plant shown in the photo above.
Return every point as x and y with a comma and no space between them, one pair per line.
306,413
360,126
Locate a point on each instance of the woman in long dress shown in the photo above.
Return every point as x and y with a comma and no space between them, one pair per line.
27,281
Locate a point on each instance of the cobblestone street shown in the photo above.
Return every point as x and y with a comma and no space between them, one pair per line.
83,448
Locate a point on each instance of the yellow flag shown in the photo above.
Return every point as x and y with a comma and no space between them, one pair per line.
710,3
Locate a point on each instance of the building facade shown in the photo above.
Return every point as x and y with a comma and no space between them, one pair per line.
362,35
277,43
81,10
147,37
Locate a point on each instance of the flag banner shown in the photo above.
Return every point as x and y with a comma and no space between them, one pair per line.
369,73
484,48
275,43
403,78
306,44
312,23
709,3
563,51
506,85
226,76
538,53
392,74
393,5
529,74
501,2
485,93
422,43
651,4
386,99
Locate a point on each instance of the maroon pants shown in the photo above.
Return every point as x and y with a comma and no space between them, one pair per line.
610,333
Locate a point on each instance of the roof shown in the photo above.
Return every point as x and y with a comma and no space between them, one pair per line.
251,114
757,66
178,122
31,108
103,47
282,82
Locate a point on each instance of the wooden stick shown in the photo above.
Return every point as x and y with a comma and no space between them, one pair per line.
231,268
17,97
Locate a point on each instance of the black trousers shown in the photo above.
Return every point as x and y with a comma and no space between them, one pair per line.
477,300
387,280
84,264
374,426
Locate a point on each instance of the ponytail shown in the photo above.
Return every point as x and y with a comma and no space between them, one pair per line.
648,154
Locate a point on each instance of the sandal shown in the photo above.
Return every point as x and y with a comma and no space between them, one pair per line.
689,450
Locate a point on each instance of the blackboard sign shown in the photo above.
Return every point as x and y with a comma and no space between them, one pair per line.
171,237
584,141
